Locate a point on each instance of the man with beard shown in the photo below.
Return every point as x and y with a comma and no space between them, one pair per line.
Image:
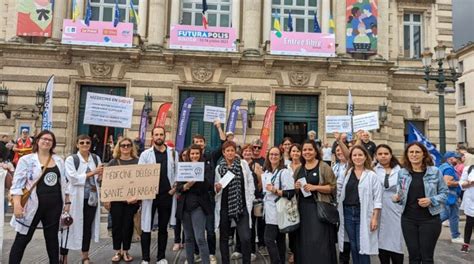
164,203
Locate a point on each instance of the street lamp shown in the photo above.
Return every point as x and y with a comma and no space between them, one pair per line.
40,97
441,76
148,105
4,101
251,110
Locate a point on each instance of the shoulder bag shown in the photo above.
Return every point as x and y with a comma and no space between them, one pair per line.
327,211
288,216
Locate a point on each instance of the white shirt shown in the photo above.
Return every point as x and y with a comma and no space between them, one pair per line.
327,154
468,198
281,178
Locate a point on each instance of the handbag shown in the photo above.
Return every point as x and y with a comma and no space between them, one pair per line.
288,216
27,192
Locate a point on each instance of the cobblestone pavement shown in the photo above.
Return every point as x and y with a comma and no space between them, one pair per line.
102,252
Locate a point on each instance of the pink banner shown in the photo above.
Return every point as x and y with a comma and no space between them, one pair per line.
198,38
303,44
98,33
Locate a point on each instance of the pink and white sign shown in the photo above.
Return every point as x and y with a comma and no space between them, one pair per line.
198,38
303,44
98,33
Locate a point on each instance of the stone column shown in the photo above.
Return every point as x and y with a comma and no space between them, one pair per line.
236,17
59,14
340,20
267,19
10,27
251,26
325,13
156,25
142,13
175,13
382,26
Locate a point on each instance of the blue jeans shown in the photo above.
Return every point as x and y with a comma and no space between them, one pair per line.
451,212
352,227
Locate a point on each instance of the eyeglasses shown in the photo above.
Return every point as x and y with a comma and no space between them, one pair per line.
47,139
125,145
274,154
84,143
257,147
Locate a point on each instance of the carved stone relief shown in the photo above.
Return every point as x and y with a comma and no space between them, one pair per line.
299,78
202,74
101,70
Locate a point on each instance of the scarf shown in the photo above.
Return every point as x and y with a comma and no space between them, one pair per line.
235,205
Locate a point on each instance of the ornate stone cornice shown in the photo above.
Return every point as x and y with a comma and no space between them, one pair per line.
101,70
299,78
202,74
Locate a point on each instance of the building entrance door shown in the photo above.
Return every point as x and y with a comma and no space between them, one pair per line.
296,115
97,133
195,123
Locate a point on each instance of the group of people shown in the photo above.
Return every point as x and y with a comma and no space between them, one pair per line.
381,203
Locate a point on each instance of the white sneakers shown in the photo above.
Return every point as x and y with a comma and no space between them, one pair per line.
213,259
253,257
163,261
236,255
457,240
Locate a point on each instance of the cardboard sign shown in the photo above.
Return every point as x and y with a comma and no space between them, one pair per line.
190,171
369,121
211,113
108,110
120,183
339,124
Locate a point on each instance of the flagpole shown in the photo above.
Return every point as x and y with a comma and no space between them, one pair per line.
106,134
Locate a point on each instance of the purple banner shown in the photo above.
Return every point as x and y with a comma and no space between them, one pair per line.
143,125
183,123
243,113
233,115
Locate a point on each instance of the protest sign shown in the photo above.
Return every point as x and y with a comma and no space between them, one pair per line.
190,171
340,124
120,183
211,113
369,121
108,110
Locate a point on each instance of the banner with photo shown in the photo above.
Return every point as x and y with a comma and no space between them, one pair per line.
35,18
361,27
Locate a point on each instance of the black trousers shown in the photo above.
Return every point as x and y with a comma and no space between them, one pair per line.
420,238
163,203
122,224
276,244
49,214
345,255
468,229
254,233
242,228
89,216
386,256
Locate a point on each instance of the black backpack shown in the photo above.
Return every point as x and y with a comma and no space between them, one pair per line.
76,159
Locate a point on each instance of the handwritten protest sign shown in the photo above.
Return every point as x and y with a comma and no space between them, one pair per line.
338,124
211,113
120,183
190,171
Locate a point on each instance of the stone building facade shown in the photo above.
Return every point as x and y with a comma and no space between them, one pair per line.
464,95
321,85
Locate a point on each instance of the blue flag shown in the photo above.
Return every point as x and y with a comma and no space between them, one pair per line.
233,115
47,122
290,22
415,135
117,14
183,123
87,17
143,125
204,6
317,28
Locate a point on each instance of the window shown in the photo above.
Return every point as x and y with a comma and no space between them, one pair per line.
462,95
218,13
103,10
420,125
302,14
463,131
461,67
412,32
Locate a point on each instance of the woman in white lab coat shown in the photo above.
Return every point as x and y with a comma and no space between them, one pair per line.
84,171
390,231
359,207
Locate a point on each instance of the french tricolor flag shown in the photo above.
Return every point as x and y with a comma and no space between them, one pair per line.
204,14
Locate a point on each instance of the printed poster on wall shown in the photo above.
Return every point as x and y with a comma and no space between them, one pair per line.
187,37
361,28
35,18
303,44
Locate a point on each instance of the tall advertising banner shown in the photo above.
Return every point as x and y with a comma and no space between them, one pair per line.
186,37
143,125
303,44
233,115
35,18
47,122
183,123
244,114
267,126
162,114
362,28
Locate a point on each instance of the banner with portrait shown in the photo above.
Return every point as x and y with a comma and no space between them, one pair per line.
361,27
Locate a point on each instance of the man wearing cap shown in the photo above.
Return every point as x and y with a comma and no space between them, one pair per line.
451,210
23,145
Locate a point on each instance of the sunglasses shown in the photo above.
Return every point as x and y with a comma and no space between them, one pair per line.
257,147
84,143
125,145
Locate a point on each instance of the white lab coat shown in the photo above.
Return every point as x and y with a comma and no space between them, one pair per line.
28,172
72,238
249,186
370,195
467,204
269,204
148,157
3,174
390,228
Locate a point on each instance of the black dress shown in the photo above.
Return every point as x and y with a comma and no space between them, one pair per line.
315,241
